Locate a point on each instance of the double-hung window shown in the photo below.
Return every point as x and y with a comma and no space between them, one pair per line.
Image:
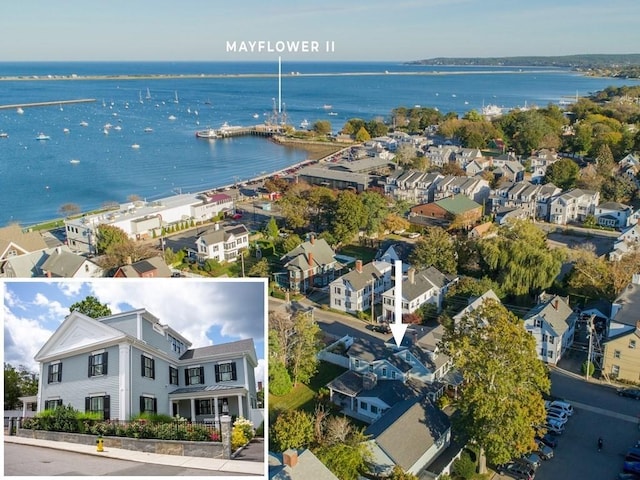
100,404
148,366
194,375
148,404
55,373
52,404
226,372
173,376
98,364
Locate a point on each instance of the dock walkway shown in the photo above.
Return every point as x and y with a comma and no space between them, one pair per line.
47,104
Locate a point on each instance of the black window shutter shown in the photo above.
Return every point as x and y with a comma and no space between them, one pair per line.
49,375
60,372
170,377
142,364
186,377
153,368
234,375
202,375
90,364
141,404
106,414
155,405
105,362
197,402
87,404
217,367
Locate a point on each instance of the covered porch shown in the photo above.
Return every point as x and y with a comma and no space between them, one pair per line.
209,403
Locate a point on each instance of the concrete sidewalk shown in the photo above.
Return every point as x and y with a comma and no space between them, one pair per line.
219,465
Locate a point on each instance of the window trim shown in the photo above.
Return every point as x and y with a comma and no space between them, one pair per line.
226,372
188,375
147,370
57,374
104,357
143,404
173,377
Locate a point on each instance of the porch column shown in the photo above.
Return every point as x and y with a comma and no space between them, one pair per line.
193,409
240,409
215,408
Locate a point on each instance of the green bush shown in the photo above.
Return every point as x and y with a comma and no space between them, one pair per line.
464,466
260,430
588,365
246,426
154,417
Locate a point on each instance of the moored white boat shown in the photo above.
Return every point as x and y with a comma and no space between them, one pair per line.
209,133
135,146
42,136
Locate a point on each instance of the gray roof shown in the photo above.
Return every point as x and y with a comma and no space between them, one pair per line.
425,280
308,467
359,280
556,312
230,348
314,172
392,392
368,351
322,254
416,419
629,301
349,383
211,237
13,234
205,388
62,263
138,269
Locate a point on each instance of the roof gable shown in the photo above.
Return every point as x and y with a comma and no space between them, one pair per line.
77,332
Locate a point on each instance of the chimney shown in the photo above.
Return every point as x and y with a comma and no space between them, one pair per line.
412,275
290,457
312,239
555,303
58,250
359,266
259,386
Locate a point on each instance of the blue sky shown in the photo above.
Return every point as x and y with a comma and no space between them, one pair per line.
204,312
400,30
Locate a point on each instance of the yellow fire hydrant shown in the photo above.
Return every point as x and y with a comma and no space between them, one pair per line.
100,444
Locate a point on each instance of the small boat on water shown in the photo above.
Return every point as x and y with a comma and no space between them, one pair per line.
117,127
172,117
333,114
148,130
327,106
304,124
209,134
19,111
148,94
42,136
255,115
65,130
74,161
135,146
175,100
84,124
4,135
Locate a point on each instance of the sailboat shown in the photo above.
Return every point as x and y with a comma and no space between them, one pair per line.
148,97
140,96
176,99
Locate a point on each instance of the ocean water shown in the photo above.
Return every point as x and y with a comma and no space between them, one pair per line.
37,177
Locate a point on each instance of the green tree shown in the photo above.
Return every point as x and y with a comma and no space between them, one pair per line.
259,269
109,237
322,127
18,382
292,429
375,211
362,135
347,216
591,276
437,248
279,379
519,259
291,242
399,474
305,346
91,307
618,189
272,229
464,467
348,459
604,161
501,402
562,173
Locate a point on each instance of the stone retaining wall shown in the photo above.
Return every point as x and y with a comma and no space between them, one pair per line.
166,447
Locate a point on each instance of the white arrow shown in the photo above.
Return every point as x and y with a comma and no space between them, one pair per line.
397,327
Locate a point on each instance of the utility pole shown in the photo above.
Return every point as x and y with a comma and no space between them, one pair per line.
372,303
242,261
590,327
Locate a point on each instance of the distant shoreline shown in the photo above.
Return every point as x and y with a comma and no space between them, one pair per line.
193,76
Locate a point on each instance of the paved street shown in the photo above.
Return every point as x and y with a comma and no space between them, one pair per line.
26,460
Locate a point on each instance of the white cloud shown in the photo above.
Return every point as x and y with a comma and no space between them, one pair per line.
70,288
260,371
54,309
23,338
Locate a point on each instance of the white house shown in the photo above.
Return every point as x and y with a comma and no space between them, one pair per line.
222,244
56,262
573,205
613,214
425,286
552,323
361,288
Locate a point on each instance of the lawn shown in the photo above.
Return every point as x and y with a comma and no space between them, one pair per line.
365,254
302,396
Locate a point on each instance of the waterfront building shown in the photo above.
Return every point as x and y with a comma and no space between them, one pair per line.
142,220
15,242
222,244
130,363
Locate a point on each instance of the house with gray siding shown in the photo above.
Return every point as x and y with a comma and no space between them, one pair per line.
130,363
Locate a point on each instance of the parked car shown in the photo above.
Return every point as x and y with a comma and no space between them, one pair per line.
543,450
557,416
633,455
566,407
549,440
554,427
532,459
631,467
517,470
382,328
629,392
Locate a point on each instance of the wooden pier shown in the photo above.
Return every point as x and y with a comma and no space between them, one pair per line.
46,104
236,131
